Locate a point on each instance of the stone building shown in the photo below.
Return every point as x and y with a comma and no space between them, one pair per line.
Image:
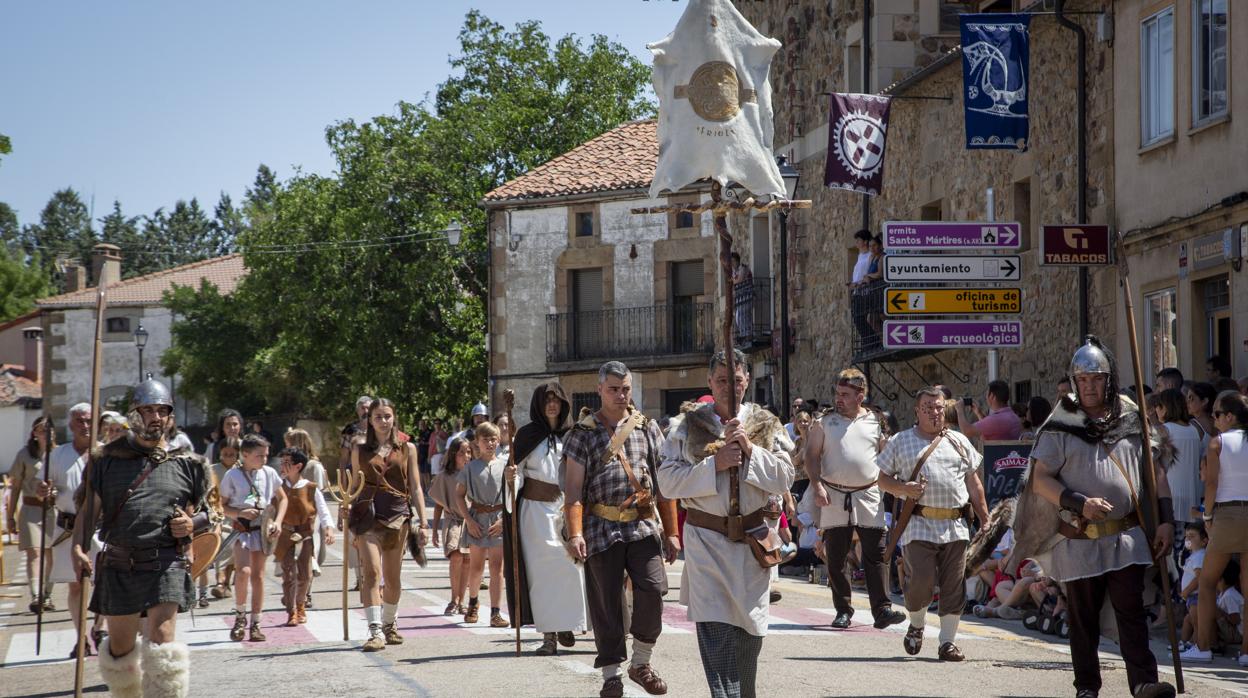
577,279
1181,179
930,175
68,323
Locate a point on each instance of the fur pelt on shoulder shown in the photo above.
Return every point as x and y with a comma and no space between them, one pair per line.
703,429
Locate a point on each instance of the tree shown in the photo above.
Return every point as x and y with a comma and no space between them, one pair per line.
20,285
62,233
361,290
10,231
6,145
123,231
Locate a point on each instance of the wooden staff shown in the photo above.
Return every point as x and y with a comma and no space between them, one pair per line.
726,287
348,491
88,503
509,403
1150,477
43,531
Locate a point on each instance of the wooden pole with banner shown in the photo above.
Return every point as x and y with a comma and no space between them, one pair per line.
1149,474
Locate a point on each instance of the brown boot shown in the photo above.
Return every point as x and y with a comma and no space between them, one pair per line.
644,676
292,618
254,634
240,625
391,633
497,621
376,641
301,614
473,613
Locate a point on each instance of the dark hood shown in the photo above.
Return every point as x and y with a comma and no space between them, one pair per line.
537,430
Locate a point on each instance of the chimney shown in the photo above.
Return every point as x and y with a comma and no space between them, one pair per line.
33,345
106,264
75,277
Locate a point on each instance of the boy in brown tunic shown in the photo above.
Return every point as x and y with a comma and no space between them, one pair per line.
305,509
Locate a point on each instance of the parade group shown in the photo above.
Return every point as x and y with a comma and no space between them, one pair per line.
597,502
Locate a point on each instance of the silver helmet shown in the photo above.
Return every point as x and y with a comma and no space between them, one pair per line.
152,392
1091,358
480,409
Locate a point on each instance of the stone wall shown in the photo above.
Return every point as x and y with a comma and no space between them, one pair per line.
928,166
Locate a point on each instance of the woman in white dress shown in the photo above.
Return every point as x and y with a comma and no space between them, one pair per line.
553,599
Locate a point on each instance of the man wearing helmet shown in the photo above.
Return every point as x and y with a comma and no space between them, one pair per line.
1085,485
145,500
480,413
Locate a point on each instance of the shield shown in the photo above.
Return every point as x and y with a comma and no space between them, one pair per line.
204,548
226,552
269,542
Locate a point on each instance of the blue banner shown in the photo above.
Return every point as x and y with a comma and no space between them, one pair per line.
995,68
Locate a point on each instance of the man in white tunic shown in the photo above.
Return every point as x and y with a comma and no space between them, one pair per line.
552,588
840,460
67,462
709,453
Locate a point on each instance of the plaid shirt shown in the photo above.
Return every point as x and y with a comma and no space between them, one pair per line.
606,482
945,470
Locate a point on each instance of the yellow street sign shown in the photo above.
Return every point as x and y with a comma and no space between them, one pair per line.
953,301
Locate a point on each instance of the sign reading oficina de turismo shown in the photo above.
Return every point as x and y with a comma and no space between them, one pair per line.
953,301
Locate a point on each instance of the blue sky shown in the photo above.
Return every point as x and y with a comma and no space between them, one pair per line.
153,101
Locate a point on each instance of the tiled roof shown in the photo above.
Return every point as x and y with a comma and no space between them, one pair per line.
224,272
623,158
14,387
31,318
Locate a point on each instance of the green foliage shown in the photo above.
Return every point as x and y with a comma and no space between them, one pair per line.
335,306
62,233
6,145
20,285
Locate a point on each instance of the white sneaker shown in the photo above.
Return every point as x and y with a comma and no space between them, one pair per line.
1196,654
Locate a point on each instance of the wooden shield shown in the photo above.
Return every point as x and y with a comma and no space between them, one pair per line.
204,549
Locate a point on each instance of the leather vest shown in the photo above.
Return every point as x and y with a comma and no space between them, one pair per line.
300,505
385,485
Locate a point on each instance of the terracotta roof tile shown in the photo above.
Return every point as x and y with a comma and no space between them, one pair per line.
224,272
14,387
623,158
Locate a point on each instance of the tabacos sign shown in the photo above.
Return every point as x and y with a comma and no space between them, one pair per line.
1075,245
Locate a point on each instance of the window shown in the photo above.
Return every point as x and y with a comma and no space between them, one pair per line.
580,400
1163,329
949,11
684,219
1022,393
1157,76
1209,59
932,211
853,67
1022,210
117,324
584,224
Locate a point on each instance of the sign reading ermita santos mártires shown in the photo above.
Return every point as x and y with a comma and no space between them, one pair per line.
1075,245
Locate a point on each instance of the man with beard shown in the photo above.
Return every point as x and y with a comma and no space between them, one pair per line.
145,499
1085,484
730,470
840,460
612,457
552,586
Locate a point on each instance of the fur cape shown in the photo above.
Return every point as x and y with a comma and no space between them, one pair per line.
702,428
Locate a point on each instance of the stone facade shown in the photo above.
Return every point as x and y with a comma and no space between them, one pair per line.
929,174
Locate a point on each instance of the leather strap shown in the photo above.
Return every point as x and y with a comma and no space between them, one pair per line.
723,524
927,452
475,508
147,470
539,491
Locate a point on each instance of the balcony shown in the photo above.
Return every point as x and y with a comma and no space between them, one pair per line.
866,306
752,323
664,334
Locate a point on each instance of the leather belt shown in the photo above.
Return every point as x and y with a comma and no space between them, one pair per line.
476,508
539,491
940,513
621,515
1099,529
32,501
305,529
144,560
731,527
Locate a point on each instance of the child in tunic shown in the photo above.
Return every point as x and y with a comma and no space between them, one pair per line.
246,492
305,512
479,495
454,543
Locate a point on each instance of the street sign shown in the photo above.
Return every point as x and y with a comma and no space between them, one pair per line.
953,301
959,235
939,268
952,334
1075,245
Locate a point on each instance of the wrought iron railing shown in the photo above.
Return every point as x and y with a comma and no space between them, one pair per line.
752,322
866,305
656,330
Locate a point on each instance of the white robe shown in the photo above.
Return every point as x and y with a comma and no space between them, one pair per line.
556,582
721,581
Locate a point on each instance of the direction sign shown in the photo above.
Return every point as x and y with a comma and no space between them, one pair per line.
959,235
953,301
1075,245
940,268
952,334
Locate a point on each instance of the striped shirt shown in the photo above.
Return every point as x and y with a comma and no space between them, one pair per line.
945,469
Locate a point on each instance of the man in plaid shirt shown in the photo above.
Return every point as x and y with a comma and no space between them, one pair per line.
610,516
935,541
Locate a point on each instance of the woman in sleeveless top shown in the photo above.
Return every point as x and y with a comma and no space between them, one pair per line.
25,475
381,518
1184,476
1226,514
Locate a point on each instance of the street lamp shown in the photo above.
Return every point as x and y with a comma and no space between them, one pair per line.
140,341
789,174
454,233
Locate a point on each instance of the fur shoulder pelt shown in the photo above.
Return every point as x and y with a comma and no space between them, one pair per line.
1069,417
985,542
703,429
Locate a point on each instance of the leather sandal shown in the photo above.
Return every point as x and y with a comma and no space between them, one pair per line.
913,642
645,677
949,652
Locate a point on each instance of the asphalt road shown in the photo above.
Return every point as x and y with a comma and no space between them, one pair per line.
442,656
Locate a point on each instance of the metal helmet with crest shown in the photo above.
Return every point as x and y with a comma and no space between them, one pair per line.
151,392
1094,358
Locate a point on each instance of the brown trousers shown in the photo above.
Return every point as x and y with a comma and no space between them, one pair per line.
296,573
604,580
929,564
